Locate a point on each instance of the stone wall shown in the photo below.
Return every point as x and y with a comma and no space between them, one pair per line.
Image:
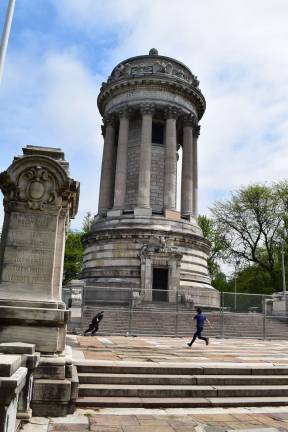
133,162
157,177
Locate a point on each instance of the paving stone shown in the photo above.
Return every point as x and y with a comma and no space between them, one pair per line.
114,420
71,419
59,427
101,428
30,427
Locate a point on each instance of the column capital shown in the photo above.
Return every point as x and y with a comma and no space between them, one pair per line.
188,120
109,119
124,111
171,112
147,108
196,130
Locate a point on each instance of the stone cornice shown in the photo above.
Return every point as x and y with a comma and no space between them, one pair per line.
145,234
155,82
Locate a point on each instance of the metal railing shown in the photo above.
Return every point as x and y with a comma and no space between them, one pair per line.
132,312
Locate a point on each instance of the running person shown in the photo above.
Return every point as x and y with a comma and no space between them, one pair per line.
93,327
200,322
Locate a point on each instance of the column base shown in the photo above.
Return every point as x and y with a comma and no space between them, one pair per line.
141,211
188,216
114,212
172,214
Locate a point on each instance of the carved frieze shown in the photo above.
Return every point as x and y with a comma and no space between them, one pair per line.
159,66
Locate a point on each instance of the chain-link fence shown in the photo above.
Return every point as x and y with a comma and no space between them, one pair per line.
163,313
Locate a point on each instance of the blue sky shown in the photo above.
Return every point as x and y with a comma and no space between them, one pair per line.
61,50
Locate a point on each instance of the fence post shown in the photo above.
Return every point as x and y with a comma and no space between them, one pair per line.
83,304
176,311
222,315
264,317
130,312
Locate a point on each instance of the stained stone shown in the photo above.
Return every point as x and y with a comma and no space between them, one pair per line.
137,229
39,200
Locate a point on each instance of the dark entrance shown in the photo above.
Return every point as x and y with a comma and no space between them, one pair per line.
160,282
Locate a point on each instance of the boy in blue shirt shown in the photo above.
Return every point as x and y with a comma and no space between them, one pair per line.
200,320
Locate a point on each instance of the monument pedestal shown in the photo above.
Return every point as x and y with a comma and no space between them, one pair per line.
42,324
39,200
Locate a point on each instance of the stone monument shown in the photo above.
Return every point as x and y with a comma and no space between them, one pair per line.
39,200
151,106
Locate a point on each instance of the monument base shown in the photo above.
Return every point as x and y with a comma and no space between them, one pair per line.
55,387
46,386
39,323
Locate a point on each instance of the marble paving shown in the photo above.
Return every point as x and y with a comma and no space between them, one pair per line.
169,420
175,350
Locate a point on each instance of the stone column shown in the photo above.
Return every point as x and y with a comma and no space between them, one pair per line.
187,168
106,192
121,164
143,200
196,132
170,181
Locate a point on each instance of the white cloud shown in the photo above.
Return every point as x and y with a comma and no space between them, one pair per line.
237,49
57,108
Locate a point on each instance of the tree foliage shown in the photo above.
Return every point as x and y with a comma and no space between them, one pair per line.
87,222
210,232
73,257
251,224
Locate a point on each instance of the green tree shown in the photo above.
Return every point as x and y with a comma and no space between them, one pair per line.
251,224
210,232
73,258
87,222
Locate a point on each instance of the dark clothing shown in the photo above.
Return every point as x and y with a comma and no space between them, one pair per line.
199,335
94,326
200,320
97,318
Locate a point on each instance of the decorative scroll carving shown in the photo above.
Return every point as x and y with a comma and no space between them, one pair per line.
37,188
147,108
188,120
34,183
171,112
160,250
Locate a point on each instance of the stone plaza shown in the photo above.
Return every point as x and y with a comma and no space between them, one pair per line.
172,352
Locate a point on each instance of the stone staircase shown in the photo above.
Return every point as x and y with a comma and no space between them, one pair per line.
154,320
159,386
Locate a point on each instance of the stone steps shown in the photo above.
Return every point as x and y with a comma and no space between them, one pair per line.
150,379
117,384
181,391
122,402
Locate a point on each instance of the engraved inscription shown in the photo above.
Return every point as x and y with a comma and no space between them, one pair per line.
30,220
30,247
40,239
